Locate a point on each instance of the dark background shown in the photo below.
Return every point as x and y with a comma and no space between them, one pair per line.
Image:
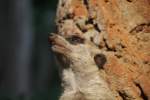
27,67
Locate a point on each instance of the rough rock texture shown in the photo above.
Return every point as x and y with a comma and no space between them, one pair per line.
121,29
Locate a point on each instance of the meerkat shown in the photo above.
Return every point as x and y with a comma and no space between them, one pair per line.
81,79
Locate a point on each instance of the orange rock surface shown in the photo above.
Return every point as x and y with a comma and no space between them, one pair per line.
124,35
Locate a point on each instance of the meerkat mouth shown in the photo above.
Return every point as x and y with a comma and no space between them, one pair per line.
55,41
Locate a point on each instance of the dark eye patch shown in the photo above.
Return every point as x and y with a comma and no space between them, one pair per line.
76,40
100,60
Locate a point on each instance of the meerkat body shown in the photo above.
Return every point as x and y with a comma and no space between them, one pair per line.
81,80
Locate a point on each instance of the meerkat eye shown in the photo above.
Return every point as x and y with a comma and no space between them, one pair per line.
76,40
100,60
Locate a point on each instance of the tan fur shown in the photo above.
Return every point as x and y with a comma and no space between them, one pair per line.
81,81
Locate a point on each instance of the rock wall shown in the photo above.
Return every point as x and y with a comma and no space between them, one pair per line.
120,28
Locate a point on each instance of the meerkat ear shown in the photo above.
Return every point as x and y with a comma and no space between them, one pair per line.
100,60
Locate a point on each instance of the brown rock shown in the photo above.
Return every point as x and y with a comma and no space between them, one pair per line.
124,28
